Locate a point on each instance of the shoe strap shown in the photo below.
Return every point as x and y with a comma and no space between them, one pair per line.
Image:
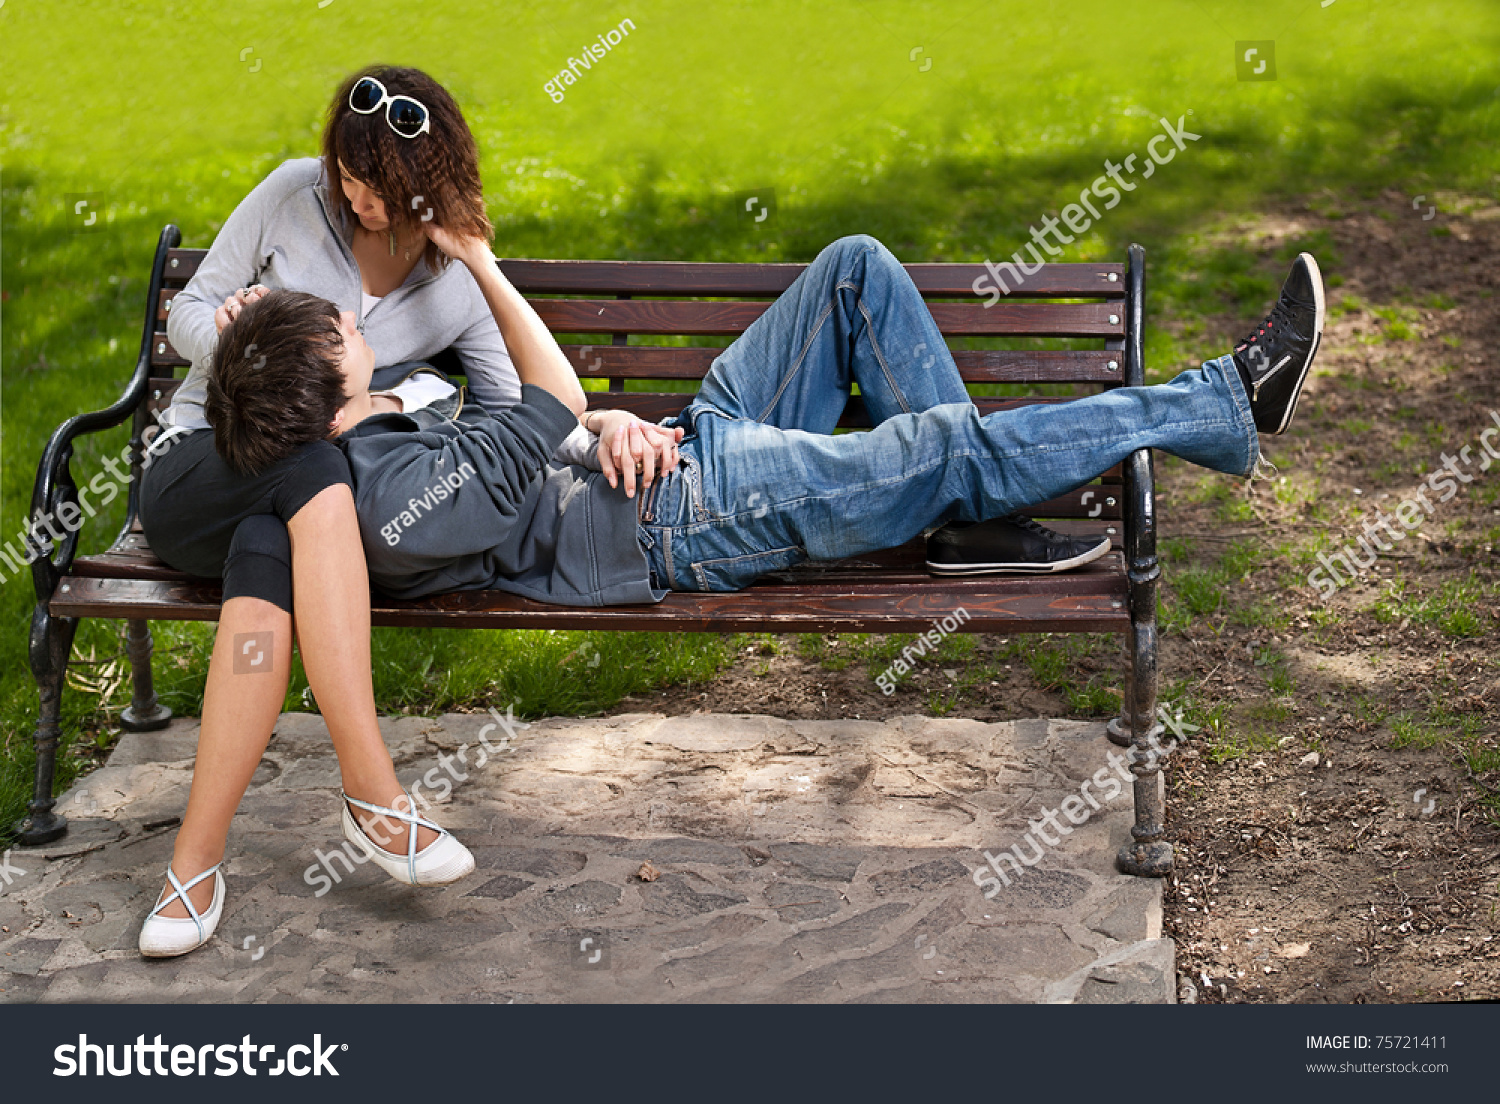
412,820
181,890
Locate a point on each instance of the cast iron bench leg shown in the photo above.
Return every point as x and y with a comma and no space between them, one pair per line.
51,644
1150,855
144,713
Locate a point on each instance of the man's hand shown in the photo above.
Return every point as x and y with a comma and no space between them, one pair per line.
236,303
630,448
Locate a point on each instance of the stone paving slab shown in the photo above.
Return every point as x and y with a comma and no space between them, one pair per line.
818,861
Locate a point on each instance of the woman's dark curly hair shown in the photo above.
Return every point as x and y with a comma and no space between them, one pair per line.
439,169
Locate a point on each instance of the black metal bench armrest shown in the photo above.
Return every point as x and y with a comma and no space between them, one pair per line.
54,477
1140,483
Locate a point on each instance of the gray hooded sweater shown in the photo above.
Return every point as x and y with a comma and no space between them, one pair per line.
473,503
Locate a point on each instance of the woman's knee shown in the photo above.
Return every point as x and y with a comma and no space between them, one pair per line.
259,564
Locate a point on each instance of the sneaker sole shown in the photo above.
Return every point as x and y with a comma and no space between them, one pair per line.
1286,419
1021,568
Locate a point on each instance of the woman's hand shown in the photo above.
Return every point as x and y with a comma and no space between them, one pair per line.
630,448
469,251
532,347
236,303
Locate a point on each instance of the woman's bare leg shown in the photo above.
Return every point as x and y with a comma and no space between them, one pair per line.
331,596
239,712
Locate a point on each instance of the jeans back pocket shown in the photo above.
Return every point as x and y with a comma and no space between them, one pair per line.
738,572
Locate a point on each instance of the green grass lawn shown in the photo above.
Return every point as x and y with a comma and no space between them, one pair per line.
158,112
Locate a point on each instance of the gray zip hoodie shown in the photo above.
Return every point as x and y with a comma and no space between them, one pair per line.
289,233
473,503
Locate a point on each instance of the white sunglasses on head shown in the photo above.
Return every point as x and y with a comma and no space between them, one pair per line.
406,116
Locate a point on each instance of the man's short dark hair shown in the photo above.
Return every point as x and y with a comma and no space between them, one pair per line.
276,380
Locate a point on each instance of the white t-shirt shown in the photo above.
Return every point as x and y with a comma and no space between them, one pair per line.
421,390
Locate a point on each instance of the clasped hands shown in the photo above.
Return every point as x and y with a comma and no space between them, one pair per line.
630,449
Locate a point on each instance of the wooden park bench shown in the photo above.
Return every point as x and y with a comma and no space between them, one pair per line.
889,591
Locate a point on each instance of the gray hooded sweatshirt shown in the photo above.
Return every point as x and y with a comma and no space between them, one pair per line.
472,503
289,233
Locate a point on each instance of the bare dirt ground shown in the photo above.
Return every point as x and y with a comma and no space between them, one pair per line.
1335,817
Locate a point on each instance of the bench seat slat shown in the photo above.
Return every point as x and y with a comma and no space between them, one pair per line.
1080,602
132,558
857,572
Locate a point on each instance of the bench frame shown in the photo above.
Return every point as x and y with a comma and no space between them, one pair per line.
881,592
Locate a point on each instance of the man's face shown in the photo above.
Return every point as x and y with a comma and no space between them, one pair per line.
358,361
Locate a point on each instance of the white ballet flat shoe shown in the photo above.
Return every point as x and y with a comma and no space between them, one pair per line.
442,861
166,936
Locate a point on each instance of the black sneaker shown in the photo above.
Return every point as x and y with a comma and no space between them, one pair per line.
1273,361
1013,544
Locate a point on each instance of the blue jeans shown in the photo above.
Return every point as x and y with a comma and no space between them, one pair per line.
763,484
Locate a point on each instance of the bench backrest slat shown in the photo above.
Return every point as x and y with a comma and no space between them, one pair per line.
671,362
660,317
666,316
1053,281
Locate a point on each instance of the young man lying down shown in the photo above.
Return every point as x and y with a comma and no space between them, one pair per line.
748,479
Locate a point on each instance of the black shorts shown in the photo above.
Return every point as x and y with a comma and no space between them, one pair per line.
204,518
